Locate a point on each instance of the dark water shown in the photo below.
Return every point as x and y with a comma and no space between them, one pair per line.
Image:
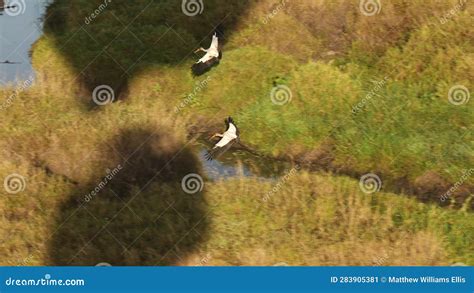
20,27
237,163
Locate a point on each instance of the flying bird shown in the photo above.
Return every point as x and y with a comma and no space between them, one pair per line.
9,62
3,6
228,138
211,58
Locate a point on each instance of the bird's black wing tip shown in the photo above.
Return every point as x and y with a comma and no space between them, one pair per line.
219,32
198,69
202,67
208,156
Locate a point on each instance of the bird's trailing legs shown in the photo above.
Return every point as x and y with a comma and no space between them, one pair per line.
200,49
217,135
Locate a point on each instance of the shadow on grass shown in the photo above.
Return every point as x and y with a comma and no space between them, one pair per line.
108,42
138,214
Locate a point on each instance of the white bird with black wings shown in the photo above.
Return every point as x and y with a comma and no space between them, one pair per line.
228,138
212,57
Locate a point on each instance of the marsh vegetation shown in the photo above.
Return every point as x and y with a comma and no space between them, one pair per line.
364,94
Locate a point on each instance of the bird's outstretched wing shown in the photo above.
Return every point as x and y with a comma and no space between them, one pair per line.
220,148
230,127
229,138
204,65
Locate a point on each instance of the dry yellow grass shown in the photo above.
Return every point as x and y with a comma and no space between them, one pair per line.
329,54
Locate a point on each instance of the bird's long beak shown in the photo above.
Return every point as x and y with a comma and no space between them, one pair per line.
200,49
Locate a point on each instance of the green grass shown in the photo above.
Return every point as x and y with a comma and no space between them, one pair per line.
322,220
405,130
310,220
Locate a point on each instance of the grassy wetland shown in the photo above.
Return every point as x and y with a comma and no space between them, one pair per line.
337,91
